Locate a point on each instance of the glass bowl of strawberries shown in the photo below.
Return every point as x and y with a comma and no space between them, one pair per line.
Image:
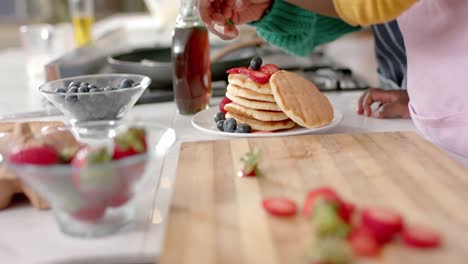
91,175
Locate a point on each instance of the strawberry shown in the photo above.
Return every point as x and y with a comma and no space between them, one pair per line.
269,69
93,174
280,207
92,214
383,222
118,199
249,163
363,242
259,77
239,70
346,211
129,143
421,237
44,155
312,197
224,102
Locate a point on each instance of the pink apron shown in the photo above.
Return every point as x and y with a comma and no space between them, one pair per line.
436,41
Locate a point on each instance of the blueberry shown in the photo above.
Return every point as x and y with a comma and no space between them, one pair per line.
126,83
256,63
74,84
109,88
60,90
71,98
93,90
219,116
220,125
83,89
230,125
84,84
92,86
74,89
243,128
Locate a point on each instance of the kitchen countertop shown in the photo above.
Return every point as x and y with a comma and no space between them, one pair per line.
32,236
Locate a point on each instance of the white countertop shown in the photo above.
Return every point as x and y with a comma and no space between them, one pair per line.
32,236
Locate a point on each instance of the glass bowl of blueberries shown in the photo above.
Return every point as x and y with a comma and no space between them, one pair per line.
95,97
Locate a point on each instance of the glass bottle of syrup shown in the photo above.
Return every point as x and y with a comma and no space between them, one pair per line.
191,61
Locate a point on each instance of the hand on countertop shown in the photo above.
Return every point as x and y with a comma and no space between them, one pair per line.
393,103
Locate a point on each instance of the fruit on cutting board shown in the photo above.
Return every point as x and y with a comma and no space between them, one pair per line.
339,227
281,207
421,237
249,163
384,223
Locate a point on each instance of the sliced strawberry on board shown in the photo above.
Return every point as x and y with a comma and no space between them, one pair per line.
259,77
35,155
421,237
346,211
363,242
238,70
224,102
281,207
323,192
383,222
269,69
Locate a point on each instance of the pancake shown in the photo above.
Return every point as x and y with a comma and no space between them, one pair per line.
261,115
245,82
300,100
249,94
262,125
253,104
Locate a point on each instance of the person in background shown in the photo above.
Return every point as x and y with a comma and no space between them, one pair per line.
435,42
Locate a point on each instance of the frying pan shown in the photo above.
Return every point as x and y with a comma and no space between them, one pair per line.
156,62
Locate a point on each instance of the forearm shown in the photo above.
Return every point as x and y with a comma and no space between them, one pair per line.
367,12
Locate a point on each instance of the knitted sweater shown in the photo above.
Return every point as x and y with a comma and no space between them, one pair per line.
298,30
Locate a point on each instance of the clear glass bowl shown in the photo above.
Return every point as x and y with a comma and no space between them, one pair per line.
95,106
97,200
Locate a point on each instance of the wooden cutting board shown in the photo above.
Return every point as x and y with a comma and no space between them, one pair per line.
216,217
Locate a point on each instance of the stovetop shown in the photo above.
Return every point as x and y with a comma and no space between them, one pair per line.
325,73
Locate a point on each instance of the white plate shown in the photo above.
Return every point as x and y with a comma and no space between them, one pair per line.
204,121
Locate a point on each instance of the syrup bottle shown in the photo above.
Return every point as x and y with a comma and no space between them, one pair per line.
191,61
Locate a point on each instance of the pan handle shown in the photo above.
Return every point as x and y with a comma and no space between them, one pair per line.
236,46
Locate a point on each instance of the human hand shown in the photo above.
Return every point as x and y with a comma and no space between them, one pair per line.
222,16
393,103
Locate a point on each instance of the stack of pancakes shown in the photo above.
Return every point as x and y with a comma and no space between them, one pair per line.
286,100
254,104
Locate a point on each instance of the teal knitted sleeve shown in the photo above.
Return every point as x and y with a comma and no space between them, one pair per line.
297,30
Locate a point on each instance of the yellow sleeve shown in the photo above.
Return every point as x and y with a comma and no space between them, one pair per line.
367,12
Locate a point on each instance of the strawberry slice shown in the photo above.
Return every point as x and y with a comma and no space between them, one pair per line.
363,242
238,70
383,222
269,69
281,207
346,211
36,155
325,193
92,214
259,77
421,237
224,102
129,143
